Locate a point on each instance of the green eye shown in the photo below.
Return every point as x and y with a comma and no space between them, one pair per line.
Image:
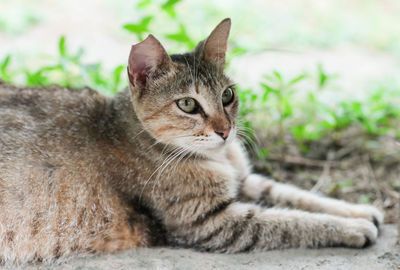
188,105
227,96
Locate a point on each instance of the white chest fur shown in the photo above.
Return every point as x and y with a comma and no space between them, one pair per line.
229,167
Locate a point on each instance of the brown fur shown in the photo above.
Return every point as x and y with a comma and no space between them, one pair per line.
81,173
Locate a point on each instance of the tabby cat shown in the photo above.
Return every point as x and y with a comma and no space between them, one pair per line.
158,164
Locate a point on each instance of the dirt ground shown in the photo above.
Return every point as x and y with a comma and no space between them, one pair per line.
348,166
385,254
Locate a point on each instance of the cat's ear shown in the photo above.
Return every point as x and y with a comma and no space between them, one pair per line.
147,60
216,44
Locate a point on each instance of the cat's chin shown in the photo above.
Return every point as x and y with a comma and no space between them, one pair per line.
211,151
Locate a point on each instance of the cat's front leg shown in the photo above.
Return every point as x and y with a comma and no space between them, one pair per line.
236,227
270,193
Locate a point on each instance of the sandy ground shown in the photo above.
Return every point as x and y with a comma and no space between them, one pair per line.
385,254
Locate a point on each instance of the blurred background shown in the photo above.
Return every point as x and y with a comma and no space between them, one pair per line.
318,80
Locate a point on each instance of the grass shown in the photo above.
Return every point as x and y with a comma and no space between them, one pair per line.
67,69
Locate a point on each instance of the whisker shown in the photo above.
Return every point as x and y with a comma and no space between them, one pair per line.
185,154
247,140
173,162
158,168
140,132
165,165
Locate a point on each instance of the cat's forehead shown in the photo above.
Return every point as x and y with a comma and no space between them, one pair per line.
198,76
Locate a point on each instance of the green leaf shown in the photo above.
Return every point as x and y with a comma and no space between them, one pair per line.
278,76
343,184
142,4
237,51
182,36
117,78
312,98
322,76
297,79
169,7
95,74
5,63
62,47
4,74
140,27
269,89
298,132
364,199
287,108
263,153
35,78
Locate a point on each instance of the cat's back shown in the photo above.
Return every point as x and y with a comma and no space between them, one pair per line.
49,116
48,102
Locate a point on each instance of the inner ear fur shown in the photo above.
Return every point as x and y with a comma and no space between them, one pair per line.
147,60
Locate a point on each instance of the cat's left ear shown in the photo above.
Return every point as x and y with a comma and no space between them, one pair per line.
216,44
147,61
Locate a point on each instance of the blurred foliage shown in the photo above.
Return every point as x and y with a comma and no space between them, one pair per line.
149,7
16,24
67,70
279,101
308,118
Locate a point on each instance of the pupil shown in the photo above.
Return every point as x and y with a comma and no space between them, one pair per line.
226,95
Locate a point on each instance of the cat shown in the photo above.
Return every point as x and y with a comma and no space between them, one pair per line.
158,164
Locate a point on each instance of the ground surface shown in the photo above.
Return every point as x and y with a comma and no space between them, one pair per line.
385,254
347,166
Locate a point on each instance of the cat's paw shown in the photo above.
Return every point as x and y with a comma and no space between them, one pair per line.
359,233
368,212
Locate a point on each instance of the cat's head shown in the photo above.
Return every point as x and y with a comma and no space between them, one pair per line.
185,100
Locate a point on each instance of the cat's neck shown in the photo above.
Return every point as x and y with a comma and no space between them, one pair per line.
126,122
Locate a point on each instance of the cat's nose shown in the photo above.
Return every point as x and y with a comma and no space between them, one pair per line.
223,132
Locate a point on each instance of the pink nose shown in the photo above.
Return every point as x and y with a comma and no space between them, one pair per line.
224,133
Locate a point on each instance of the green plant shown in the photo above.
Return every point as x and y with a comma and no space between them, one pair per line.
4,69
322,77
279,93
140,27
68,69
364,198
282,103
145,24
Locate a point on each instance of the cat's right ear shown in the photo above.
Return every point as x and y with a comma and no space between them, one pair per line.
147,60
216,44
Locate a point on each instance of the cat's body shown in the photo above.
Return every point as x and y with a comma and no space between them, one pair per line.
83,173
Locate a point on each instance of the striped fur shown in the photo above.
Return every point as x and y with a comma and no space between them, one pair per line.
81,173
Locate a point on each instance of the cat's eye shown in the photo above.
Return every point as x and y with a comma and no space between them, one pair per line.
188,105
227,96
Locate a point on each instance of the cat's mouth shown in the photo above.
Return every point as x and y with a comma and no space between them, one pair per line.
216,142
204,144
